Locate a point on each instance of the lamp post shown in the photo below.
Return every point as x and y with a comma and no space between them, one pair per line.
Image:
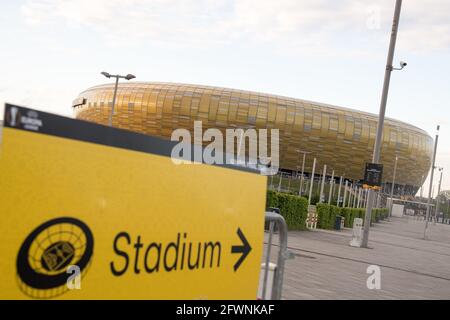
384,96
324,174
431,183
330,194
312,181
339,192
358,202
279,181
392,187
355,196
117,76
436,212
345,194
303,172
350,195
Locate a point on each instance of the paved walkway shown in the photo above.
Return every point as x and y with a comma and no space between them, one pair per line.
326,267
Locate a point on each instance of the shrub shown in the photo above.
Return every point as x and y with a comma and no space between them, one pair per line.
347,214
293,208
380,214
323,215
377,214
334,211
272,199
327,215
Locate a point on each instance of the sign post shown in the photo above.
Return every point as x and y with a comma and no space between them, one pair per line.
373,176
93,212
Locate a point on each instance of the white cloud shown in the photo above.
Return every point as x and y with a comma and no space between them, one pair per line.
306,23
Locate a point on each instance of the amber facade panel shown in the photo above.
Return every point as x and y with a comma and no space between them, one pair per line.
341,138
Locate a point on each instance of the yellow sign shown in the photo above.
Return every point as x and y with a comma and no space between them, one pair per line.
92,212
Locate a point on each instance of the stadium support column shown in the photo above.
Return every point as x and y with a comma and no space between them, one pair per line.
380,126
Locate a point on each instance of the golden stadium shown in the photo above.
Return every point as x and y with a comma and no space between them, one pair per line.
339,137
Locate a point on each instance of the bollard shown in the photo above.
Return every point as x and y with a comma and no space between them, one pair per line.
269,281
357,232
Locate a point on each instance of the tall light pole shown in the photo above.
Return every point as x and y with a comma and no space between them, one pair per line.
117,76
360,194
303,172
392,187
289,181
384,96
312,181
345,194
436,212
324,174
339,192
430,189
350,195
330,194
279,181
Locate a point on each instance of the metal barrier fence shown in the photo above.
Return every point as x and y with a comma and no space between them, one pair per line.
283,254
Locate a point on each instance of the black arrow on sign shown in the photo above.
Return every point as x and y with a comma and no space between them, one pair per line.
245,249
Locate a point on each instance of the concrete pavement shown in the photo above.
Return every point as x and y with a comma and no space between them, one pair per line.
326,267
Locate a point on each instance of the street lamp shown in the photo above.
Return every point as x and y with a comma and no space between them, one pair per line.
392,187
433,166
436,212
384,96
312,181
117,76
324,175
303,170
330,194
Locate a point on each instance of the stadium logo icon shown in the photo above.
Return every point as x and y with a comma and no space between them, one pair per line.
13,116
47,252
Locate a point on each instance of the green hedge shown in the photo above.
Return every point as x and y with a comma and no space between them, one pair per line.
334,211
294,209
354,213
323,212
327,215
379,214
347,214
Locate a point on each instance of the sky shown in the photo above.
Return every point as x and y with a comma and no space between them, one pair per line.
321,50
